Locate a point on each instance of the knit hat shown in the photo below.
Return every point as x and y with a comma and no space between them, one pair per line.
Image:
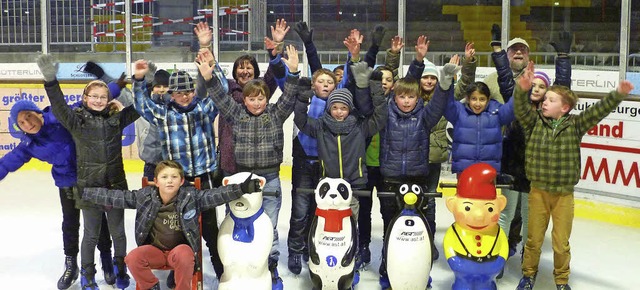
516,41
340,96
114,90
161,78
543,76
430,69
23,105
180,81
477,182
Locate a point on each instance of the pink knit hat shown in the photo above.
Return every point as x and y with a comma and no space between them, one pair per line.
543,76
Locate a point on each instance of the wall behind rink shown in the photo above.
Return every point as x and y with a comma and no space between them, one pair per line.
610,150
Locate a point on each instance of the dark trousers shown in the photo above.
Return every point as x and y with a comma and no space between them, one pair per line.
210,225
71,226
305,174
149,171
374,179
93,226
432,184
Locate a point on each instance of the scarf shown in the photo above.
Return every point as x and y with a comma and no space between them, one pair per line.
243,227
333,218
556,123
310,144
339,127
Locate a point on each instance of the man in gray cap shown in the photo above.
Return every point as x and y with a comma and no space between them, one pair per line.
518,54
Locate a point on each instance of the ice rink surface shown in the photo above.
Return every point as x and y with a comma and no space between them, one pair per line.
604,256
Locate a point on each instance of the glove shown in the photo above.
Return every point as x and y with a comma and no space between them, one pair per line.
563,45
48,66
250,185
151,72
378,34
305,92
447,73
122,81
93,68
303,31
496,35
361,73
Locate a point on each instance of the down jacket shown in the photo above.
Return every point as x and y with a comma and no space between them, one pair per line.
98,138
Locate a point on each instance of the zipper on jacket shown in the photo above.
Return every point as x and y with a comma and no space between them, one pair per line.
360,166
190,139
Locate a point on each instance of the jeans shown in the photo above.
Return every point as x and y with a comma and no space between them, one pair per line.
71,226
374,179
507,214
272,205
146,257
93,219
210,226
305,174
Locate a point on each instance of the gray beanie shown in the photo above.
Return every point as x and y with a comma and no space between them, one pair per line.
340,96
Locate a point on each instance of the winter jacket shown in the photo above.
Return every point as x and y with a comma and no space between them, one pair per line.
190,202
149,145
259,140
186,133
98,139
404,141
552,155
342,152
225,130
513,145
477,138
52,144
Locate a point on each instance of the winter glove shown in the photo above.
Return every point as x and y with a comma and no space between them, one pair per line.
250,185
361,73
48,66
306,34
563,45
122,81
378,34
376,75
305,92
148,77
496,35
93,68
447,73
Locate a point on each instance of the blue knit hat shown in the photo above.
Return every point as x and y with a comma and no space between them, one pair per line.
430,69
23,105
340,96
180,81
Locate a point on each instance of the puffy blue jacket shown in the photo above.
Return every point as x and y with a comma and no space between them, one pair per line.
477,138
52,144
404,142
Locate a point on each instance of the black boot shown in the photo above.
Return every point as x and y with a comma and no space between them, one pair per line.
107,268
70,274
88,281
120,271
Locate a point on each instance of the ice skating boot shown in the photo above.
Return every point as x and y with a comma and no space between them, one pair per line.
120,271
70,274
107,268
88,280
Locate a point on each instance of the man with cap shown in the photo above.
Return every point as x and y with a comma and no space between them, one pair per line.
475,247
47,140
518,55
185,129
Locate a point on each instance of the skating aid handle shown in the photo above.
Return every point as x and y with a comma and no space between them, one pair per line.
368,192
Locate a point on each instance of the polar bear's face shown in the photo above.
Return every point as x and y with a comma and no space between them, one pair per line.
333,193
248,204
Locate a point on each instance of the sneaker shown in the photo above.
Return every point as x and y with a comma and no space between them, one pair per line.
171,280
295,263
526,283
563,287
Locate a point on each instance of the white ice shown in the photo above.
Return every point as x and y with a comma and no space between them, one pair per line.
604,255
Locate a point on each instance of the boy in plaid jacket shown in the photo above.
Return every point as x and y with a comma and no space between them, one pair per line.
553,165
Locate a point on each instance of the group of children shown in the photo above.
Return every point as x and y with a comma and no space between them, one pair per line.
361,124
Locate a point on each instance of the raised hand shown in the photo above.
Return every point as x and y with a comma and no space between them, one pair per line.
205,63
625,87
151,72
306,34
48,67
422,47
563,45
525,80
140,68
305,92
292,59
250,185
496,35
396,44
378,34
361,73
280,30
449,71
469,51
204,33
353,42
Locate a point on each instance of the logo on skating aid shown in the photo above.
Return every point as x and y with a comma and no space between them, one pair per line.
332,261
